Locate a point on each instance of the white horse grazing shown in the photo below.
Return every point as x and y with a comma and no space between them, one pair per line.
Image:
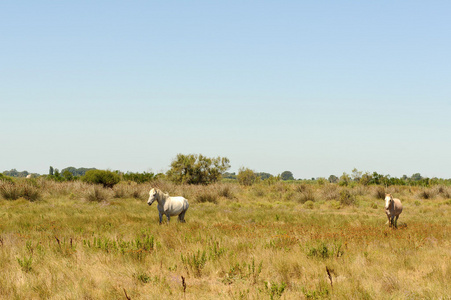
393,208
169,206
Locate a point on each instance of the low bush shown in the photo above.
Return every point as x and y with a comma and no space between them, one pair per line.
275,290
258,191
320,251
427,194
309,204
207,196
444,192
330,192
5,178
346,198
247,177
323,250
379,192
8,191
334,204
307,195
128,191
195,262
226,191
25,263
16,190
97,194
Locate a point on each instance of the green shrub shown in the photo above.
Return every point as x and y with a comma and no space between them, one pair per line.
196,262
247,177
321,293
25,263
345,180
142,277
309,204
274,290
5,178
334,204
346,198
322,250
106,178
139,177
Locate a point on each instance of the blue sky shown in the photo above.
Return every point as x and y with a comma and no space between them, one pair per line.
313,87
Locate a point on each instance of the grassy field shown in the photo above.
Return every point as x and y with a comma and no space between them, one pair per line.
278,241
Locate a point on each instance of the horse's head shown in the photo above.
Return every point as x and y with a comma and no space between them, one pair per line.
153,195
388,200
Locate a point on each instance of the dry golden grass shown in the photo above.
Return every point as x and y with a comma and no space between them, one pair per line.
258,242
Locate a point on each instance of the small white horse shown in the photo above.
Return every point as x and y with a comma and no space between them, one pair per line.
169,206
393,208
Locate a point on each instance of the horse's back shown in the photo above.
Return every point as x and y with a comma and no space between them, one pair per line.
176,205
397,206
179,200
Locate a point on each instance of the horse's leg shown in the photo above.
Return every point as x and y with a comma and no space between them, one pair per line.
389,223
169,218
182,217
396,221
161,217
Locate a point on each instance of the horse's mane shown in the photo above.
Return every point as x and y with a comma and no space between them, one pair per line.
161,194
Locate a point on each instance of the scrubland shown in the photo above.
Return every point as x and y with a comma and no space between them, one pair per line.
73,240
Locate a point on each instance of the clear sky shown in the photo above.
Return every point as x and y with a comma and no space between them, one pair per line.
313,87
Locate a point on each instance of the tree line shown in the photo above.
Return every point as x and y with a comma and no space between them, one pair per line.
374,178
200,169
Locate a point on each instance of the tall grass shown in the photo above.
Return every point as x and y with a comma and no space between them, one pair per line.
236,244
19,189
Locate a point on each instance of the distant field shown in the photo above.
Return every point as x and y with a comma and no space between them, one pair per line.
277,241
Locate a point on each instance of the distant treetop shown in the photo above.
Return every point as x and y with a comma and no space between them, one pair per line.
286,175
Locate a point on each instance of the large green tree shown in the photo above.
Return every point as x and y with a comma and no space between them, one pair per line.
197,169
